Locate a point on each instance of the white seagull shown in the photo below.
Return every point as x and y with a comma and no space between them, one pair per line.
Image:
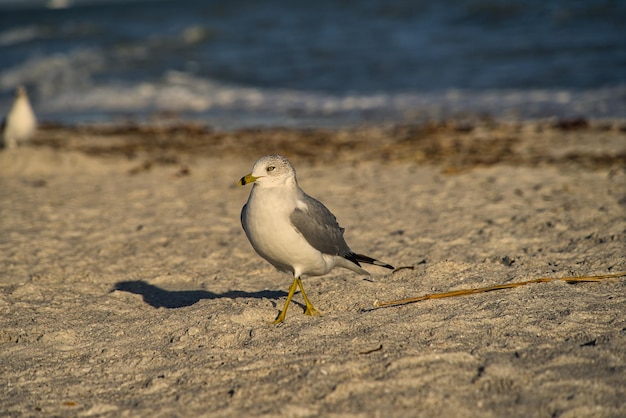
296,233
20,123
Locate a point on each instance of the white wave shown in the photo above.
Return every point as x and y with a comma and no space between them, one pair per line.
18,35
53,74
67,85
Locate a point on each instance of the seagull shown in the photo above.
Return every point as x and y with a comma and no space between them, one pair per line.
294,232
20,123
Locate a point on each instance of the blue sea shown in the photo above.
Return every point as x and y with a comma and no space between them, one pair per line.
242,63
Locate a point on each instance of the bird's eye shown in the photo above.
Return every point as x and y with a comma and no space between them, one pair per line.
270,168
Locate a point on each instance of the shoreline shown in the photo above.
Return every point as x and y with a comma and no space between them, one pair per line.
453,142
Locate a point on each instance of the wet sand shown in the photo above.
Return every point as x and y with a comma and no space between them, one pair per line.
128,288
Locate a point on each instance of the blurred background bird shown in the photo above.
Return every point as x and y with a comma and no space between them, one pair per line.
20,123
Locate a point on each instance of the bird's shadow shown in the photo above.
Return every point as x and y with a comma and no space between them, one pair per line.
172,299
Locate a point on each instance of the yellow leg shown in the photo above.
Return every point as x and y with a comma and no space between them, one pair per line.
310,310
292,290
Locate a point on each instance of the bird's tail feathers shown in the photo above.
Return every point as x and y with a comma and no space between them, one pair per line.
369,260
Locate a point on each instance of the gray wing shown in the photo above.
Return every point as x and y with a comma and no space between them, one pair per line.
319,227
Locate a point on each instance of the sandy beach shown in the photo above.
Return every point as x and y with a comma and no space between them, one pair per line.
128,287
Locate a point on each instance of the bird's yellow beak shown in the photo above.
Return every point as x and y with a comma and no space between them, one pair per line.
248,178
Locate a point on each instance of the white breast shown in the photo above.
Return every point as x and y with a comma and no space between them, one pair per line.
272,235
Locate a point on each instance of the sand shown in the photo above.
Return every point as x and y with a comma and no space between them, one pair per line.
128,288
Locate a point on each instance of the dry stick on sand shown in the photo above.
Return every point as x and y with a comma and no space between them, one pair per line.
378,305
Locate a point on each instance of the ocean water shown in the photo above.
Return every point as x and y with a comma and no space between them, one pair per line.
314,63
